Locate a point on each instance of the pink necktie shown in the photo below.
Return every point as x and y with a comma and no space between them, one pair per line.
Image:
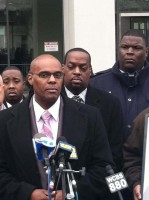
46,124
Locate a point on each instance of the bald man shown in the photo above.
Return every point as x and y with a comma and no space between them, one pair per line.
22,176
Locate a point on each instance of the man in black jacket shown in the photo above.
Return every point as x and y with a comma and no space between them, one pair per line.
77,70
128,79
14,86
22,175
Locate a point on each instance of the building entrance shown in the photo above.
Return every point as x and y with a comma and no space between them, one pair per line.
29,28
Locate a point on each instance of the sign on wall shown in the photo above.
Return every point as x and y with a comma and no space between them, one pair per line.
50,46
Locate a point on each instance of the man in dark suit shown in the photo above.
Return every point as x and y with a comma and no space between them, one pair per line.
21,173
77,70
14,86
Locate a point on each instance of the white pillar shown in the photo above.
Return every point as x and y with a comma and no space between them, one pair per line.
90,24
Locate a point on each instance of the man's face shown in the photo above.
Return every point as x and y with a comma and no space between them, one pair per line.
77,71
132,53
13,86
46,87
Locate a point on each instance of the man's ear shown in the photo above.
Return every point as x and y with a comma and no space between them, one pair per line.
63,67
29,78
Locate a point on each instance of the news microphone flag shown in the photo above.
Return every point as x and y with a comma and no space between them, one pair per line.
116,182
40,142
64,146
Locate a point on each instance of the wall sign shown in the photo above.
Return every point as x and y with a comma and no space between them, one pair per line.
50,46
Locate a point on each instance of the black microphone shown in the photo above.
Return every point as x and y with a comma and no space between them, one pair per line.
62,152
116,182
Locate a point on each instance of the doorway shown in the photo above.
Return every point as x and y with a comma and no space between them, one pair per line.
26,26
141,23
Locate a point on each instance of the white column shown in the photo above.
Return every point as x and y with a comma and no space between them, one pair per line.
90,24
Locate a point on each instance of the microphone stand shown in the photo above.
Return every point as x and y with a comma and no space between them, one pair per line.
71,181
70,195
48,172
63,185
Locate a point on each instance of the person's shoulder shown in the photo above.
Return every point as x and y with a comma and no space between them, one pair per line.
5,113
19,107
103,94
102,73
81,106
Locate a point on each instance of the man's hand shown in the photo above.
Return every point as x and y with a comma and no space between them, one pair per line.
137,192
39,194
1,92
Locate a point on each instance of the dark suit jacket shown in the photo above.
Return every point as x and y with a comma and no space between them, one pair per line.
111,112
83,128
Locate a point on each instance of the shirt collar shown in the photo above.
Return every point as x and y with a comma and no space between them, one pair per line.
9,105
54,109
82,94
128,72
3,107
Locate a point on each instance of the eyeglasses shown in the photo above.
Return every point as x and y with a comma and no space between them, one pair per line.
47,75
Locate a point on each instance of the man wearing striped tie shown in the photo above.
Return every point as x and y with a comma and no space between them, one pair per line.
77,69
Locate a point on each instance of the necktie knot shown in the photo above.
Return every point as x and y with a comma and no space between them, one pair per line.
46,116
78,99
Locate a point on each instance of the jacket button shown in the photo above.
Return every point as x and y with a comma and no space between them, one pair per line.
128,126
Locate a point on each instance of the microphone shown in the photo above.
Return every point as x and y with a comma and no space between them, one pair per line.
62,152
116,182
43,147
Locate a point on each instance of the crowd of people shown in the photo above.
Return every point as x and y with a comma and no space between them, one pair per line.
102,115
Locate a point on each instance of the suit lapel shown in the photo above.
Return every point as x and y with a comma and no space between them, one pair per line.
92,97
20,134
74,128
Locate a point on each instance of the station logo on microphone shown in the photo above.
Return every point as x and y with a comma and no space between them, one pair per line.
116,182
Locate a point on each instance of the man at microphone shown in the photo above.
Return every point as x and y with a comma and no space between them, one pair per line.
22,176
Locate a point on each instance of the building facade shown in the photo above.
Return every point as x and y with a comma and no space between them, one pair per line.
29,28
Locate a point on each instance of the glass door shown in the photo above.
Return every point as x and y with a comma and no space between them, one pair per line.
141,23
16,41
29,28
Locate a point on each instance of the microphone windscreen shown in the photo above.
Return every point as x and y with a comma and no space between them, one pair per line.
60,142
39,135
40,142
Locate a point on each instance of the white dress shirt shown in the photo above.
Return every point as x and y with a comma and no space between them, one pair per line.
81,95
54,121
